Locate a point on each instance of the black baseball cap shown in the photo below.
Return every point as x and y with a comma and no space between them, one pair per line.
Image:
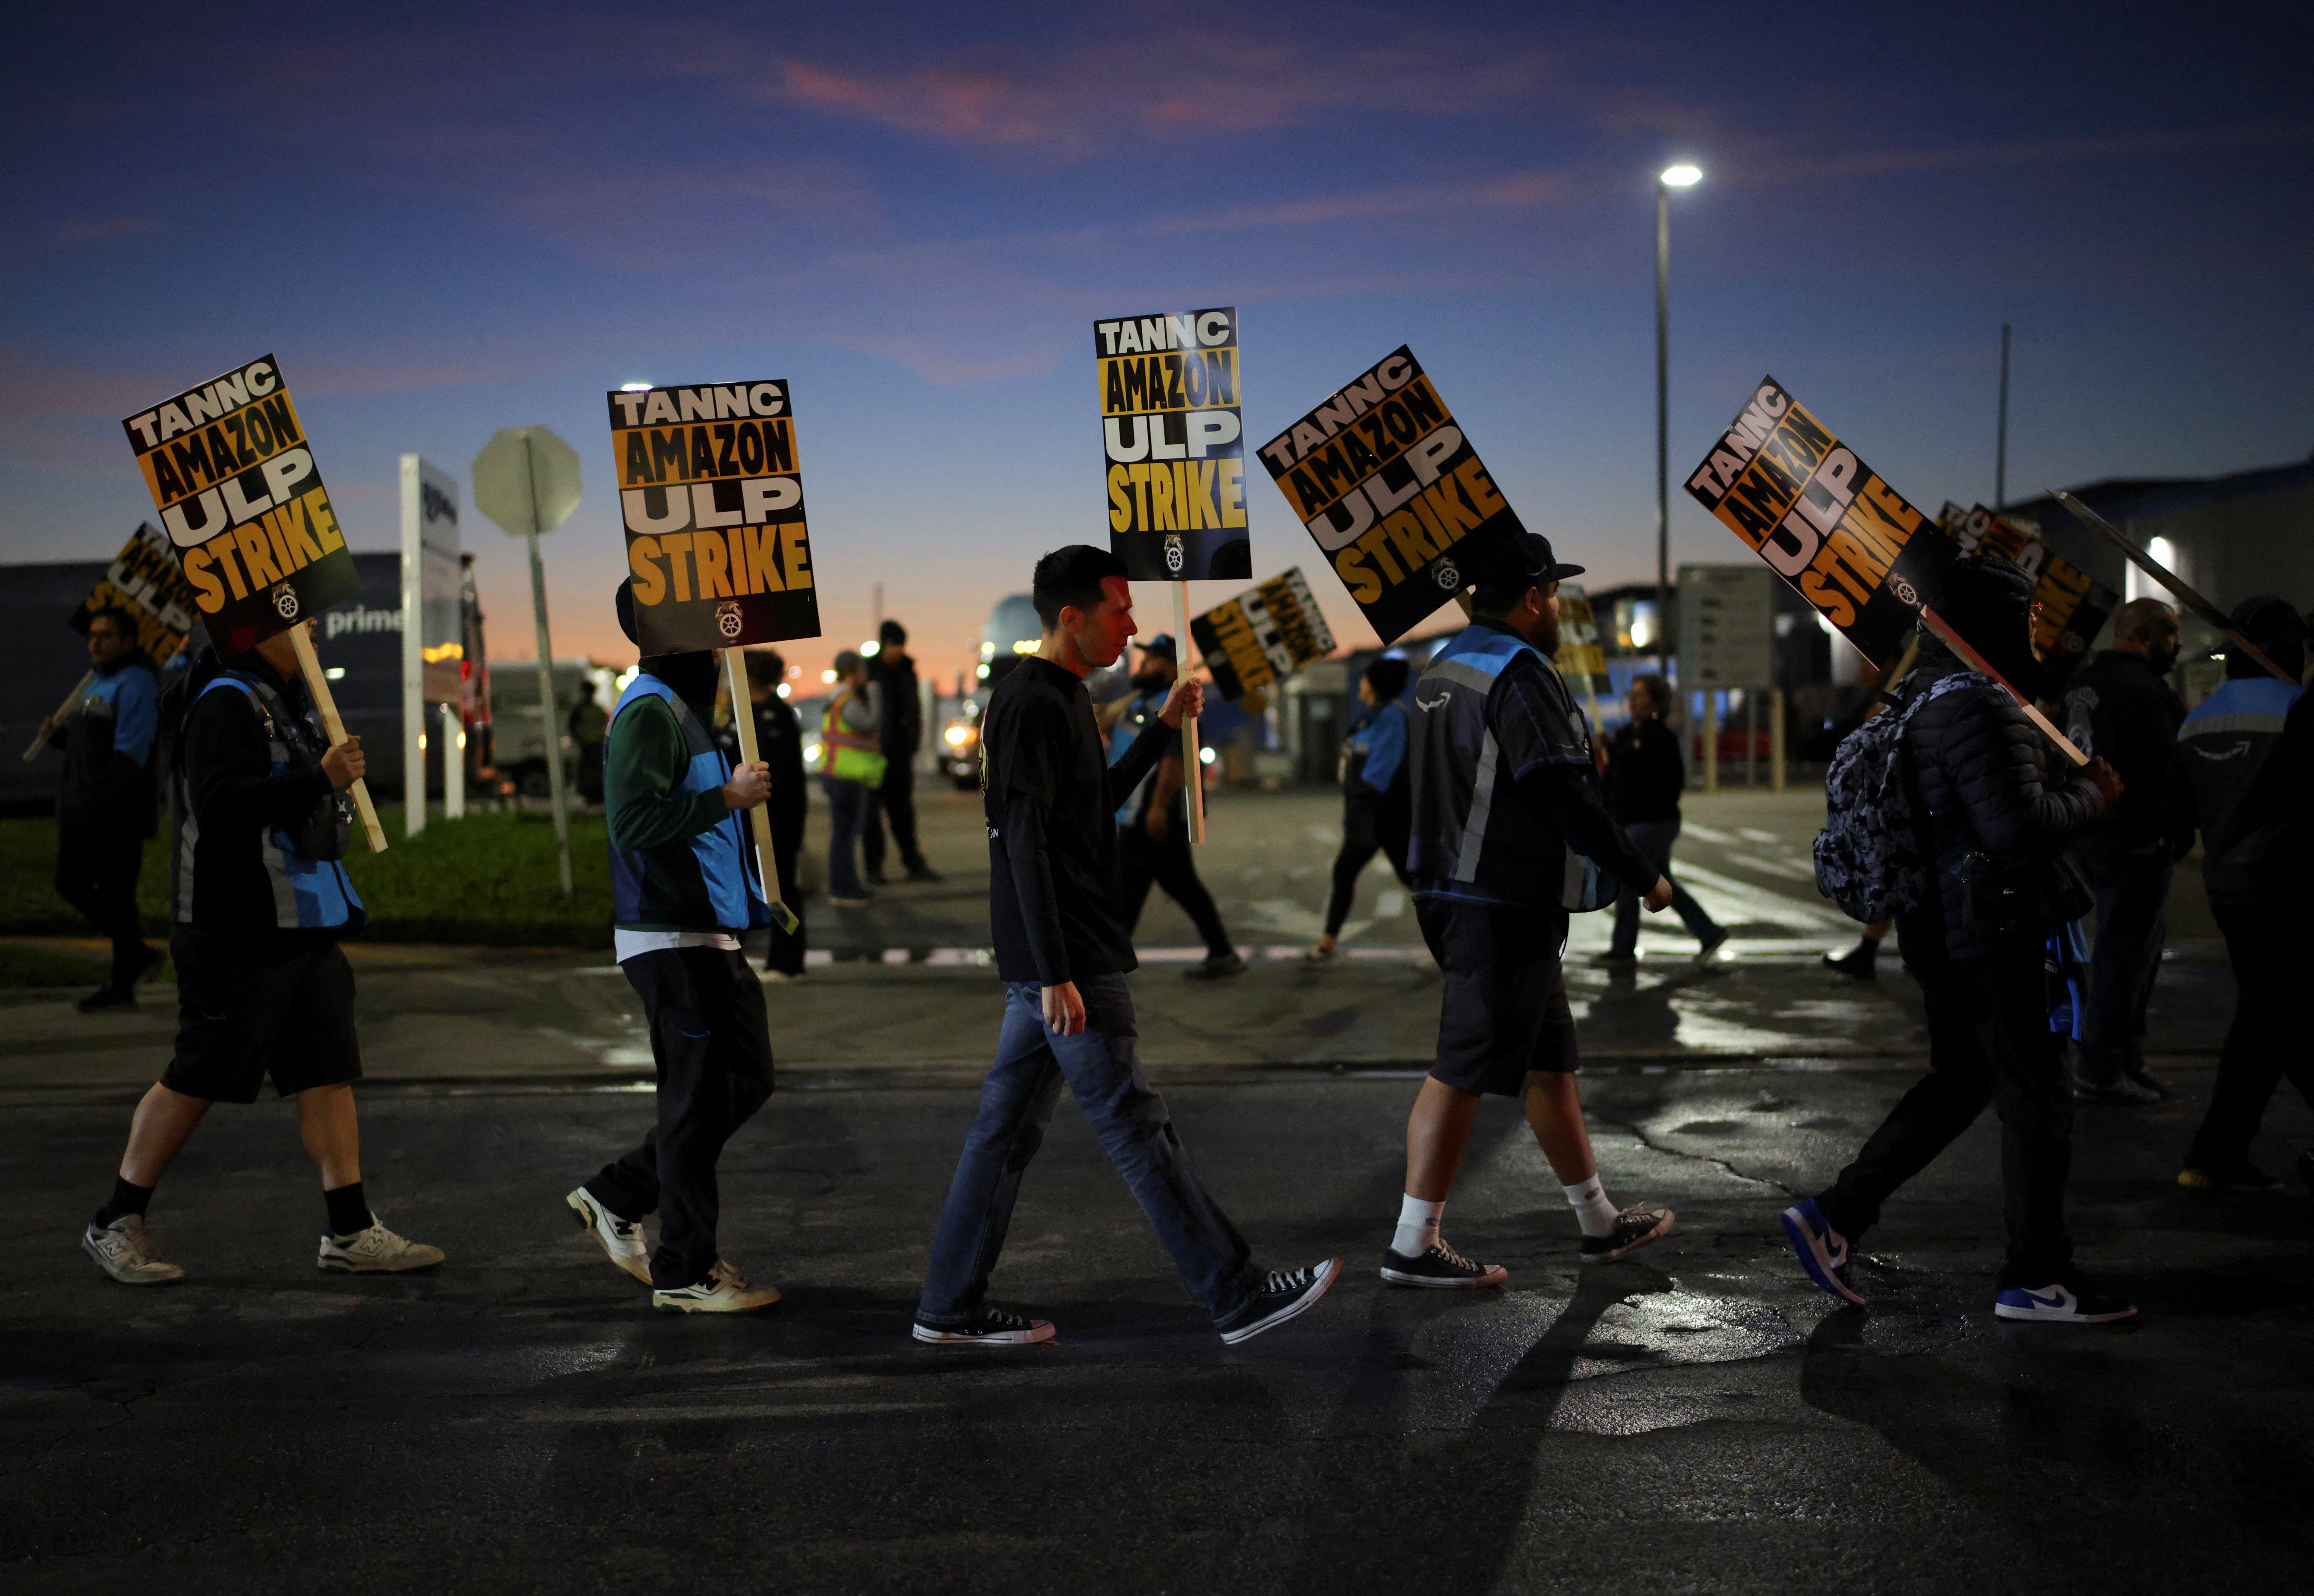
1521,554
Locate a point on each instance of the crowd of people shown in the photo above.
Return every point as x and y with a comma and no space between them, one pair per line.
1480,781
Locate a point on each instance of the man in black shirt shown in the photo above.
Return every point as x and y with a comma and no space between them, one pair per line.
902,733
1645,776
1063,956
779,741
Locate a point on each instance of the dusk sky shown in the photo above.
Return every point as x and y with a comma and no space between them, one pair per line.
445,221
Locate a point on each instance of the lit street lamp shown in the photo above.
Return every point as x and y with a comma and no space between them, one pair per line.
1682,176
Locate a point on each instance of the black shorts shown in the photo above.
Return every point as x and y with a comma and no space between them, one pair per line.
256,1003
1504,1011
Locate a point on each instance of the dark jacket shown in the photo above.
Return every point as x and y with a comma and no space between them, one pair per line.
1645,773
903,730
2238,756
106,742
779,742
2000,810
2118,710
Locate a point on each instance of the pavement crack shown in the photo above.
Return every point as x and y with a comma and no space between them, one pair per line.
1639,1134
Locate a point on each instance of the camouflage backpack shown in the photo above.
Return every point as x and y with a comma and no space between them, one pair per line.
1871,858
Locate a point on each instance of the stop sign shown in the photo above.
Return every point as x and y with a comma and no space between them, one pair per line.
525,471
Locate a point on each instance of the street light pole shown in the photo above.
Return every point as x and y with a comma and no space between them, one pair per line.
1682,176
1663,429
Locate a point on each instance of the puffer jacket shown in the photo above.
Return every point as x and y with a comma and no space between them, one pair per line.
1991,788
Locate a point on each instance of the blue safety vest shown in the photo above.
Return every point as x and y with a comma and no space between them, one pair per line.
706,882
2223,746
1473,837
309,894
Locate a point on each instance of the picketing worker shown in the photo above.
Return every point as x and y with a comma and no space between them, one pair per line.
1377,801
901,732
586,723
2246,753
263,988
1063,953
1507,818
684,892
779,739
1152,822
105,799
2000,807
1646,775
2121,708
851,766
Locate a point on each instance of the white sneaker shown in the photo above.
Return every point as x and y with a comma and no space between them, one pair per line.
623,1239
377,1251
124,1252
722,1292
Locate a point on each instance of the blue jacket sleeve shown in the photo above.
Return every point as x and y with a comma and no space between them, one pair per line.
136,711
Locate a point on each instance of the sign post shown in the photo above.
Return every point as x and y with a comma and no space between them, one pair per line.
2168,578
231,469
527,479
432,626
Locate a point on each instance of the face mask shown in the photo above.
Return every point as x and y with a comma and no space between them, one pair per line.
2162,660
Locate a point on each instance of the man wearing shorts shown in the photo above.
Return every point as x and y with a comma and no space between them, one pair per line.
1510,835
263,989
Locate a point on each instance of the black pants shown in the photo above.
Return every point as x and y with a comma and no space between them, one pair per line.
97,862
1988,1042
2270,949
2132,894
1143,860
787,846
1369,826
712,1049
895,801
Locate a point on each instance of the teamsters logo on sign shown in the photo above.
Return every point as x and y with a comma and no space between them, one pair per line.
229,466
1265,632
713,507
1173,446
1384,479
1823,521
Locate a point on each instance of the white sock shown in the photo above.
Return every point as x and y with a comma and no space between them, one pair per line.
1417,1227
1592,1210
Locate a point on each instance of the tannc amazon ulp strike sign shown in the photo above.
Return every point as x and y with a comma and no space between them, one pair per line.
1173,446
713,503
1392,490
1823,521
229,466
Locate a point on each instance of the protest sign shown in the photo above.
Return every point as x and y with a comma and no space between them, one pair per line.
1823,520
1173,446
1579,654
230,469
2073,605
713,503
1266,632
1392,490
145,580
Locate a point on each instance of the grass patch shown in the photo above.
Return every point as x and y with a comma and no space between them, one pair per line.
487,879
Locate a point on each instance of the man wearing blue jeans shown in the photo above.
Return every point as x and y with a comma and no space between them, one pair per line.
1063,955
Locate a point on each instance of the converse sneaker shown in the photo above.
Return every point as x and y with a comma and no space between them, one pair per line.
2068,1301
1634,1226
1284,1293
991,1327
124,1252
1823,1251
1440,1265
621,1238
377,1251
722,1292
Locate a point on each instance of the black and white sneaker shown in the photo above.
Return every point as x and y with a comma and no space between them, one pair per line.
1286,1293
2069,1301
1440,1265
991,1327
1634,1226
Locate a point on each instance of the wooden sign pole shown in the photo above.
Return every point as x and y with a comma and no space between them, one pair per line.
40,741
743,721
2162,574
1193,775
1976,662
318,686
